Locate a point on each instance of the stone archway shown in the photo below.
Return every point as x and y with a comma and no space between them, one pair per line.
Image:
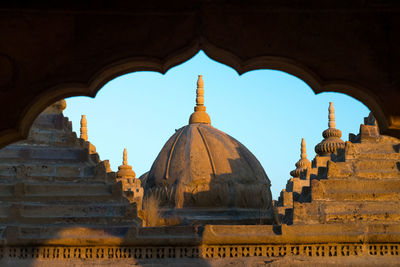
49,53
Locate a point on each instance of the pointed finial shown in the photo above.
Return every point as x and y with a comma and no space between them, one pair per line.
303,164
125,157
303,153
331,116
332,141
200,115
84,128
200,91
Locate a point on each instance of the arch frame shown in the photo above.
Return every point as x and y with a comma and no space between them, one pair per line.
103,75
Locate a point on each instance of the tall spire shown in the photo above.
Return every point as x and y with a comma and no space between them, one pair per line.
125,157
332,141
331,116
303,164
84,128
200,91
200,115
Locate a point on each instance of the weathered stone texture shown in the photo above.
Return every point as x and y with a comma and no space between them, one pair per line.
202,173
342,209
57,180
360,184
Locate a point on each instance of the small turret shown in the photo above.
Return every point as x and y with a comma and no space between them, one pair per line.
332,141
303,164
131,186
125,170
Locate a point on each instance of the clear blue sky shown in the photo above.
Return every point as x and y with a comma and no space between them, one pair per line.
268,111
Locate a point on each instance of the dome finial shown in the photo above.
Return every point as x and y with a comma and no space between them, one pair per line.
125,157
200,115
84,135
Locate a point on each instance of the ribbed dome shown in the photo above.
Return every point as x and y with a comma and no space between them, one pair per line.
202,167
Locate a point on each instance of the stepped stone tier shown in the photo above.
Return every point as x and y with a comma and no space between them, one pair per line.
359,185
54,181
203,174
50,215
300,179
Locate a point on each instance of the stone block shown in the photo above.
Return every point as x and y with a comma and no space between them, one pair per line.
306,213
117,191
59,154
65,190
368,148
339,212
299,183
365,186
8,170
19,190
354,189
42,170
380,165
369,133
5,210
351,151
320,161
287,199
377,174
12,234
6,190
49,121
15,212
40,136
89,171
339,170
72,211
289,185
317,190
68,171
101,173
8,153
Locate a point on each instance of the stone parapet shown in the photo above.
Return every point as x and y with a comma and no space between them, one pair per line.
195,236
348,254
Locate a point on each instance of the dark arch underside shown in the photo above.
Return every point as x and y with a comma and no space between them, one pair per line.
52,52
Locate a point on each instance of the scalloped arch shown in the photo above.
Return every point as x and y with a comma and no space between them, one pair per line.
128,65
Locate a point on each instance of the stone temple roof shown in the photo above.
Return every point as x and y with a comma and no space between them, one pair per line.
203,167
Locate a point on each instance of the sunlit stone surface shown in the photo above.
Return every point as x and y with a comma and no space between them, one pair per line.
204,175
62,206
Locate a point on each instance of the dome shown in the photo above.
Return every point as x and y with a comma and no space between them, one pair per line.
200,166
203,168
